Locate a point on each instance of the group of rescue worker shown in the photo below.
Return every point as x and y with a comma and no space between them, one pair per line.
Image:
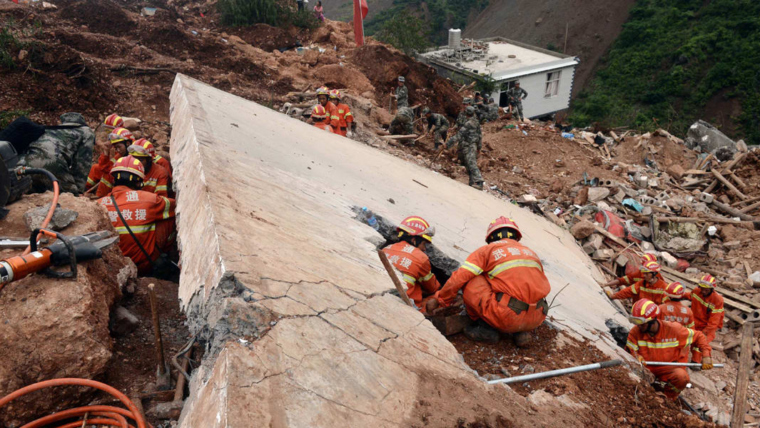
504,288
330,114
133,183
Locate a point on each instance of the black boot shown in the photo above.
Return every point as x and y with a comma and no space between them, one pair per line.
481,332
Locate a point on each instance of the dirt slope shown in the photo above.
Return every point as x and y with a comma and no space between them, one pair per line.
592,27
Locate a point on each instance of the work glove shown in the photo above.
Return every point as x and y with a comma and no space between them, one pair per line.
608,292
707,363
350,134
641,359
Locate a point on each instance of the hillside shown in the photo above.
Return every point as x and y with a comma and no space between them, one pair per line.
677,61
592,25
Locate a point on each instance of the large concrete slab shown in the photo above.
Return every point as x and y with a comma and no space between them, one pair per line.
287,289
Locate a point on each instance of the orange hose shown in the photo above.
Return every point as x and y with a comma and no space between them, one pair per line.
135,413
80,411
49,215
99,421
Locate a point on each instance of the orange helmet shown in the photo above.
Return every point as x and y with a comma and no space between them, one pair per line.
323,91
120,135
504,223
648,257
706,281
149,147
130,165
318,112
644,311
113,121
675,290
141,148
417,226
335,94
651,267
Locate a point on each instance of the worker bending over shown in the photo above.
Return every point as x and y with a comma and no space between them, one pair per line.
344,115
673,310
157,159
504,285
650,287
653,340
144,220
408,256
438,124
707,306
403,123
115,147
630,279
156,179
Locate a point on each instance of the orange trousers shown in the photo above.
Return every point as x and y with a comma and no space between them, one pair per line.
480,302
675,379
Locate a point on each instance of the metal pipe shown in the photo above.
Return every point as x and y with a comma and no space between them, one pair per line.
693,365
157,330
560,372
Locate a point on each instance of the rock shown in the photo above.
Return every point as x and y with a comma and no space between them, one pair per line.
46,5
582,197
741,146
166,410
517,170
701,381
721,385
641,181
692,271
732,245
604,253
132,123
22,54
583,229
755,277
725,199
724,154
122,322
669,260
619,196
647,246
646,232
724,419
527,199
706,138
597,193
621,260
593,243
646,211
706,198
63,323
61,218
676,171
653,182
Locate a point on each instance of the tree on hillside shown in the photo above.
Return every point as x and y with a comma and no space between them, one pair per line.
405,32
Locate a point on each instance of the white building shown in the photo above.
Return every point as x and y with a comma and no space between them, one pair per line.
547,76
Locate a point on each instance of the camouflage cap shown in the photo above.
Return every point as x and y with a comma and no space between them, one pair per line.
425,110
401,79
74,118
469,111
467,100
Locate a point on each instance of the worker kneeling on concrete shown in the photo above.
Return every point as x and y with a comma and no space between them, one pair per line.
408,256
504,284
653,340
651,287
144,220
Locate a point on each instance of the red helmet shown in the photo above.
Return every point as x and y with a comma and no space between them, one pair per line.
318,112
706,281
648,257
675,290
120,135
335,94
644,311
149,147
652,267
141,148
113,121
128,164
504,223
417,226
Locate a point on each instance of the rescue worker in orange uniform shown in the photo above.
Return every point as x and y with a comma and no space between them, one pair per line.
653,340
156,178
673,310
149,216
636,276
707,306
323,95
118,141
650,287
408,256
157,159
320,118
343,112
504,285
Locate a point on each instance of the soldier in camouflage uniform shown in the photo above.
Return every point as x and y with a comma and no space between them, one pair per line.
402,94
402,123
516,95
439,124
469,138
492,111
65,151
462,118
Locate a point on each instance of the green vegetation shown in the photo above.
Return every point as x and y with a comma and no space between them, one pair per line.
8,116
239,13
439,14
406,32
8,45
672,61
485,84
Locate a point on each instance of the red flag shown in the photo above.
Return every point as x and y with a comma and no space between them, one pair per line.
360,12
15,1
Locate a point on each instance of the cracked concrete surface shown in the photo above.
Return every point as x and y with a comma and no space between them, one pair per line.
286,290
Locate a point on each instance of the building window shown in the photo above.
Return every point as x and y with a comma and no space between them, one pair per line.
552,84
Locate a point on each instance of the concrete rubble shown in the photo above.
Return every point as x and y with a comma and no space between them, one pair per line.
304,333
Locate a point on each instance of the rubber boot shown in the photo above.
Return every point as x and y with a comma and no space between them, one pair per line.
481,332
522,339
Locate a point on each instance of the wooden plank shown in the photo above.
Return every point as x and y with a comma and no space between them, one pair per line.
728,184
612,237
737,180
750,208
742,377
697,172
400,137
396,282
731,211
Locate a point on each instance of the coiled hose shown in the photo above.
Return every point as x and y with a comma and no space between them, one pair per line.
56,192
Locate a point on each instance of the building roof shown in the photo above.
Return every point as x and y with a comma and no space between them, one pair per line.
501,58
